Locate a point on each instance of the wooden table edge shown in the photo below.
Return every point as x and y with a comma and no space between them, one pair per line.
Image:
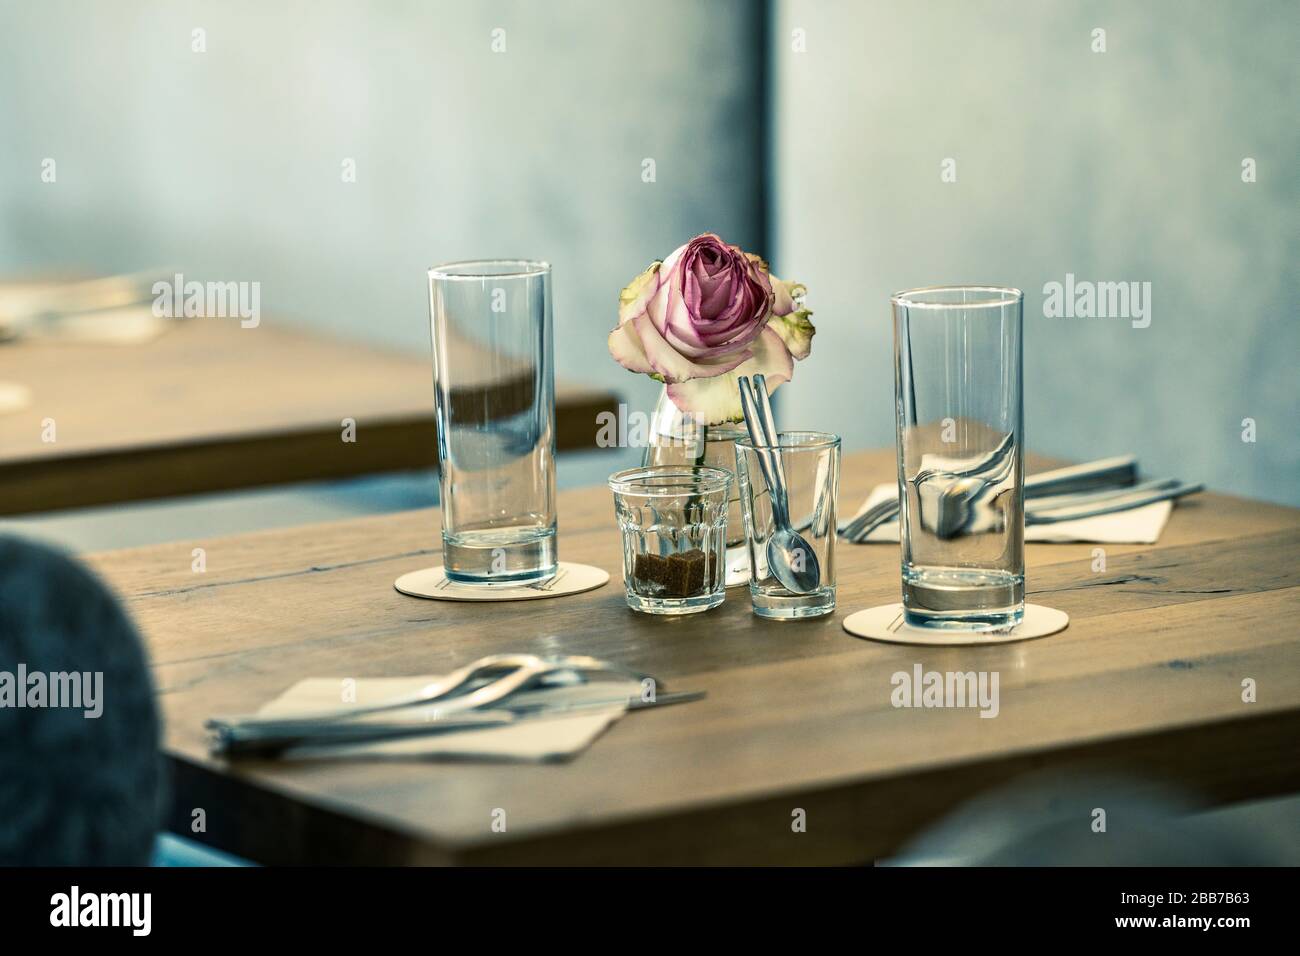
857,819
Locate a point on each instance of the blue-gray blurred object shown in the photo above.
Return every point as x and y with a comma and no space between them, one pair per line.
82,779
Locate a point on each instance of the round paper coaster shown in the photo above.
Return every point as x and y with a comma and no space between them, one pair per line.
433,583
885,623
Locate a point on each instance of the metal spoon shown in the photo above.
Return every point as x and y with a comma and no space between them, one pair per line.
790,558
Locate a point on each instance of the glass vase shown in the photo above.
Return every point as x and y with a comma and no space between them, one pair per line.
679,438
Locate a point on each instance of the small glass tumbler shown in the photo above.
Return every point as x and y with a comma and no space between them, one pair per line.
810,464
494,389
673,519
957,377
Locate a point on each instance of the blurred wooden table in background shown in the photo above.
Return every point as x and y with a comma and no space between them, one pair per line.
210,406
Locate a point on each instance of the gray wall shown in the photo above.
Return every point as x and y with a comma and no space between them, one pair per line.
1123,165
227,164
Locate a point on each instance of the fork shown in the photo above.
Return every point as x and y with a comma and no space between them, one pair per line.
520,669
1104,473
1123,501
309,737
1092,506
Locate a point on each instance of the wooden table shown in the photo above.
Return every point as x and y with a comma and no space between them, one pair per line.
1147,678
210,406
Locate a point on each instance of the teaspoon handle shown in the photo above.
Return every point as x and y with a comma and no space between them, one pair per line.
758,439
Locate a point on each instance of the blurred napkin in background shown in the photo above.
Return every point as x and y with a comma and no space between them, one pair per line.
14,396
1135,526
113,309
130,325
551,736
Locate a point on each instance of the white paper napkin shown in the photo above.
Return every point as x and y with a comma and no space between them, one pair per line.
558,737
1135,526
129,325
114,309
14,396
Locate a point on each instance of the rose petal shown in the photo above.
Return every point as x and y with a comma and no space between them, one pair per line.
675,257
627,351
715,293
671,363
788,295
706,353
657,307
634,296
717,399
678,327
796,331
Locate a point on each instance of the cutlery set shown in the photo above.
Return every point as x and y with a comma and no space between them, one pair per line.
495,691
1105,486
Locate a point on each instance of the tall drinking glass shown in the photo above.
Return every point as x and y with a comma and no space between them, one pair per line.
494,384
957,379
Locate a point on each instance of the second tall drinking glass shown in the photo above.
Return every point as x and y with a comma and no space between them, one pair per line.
494,383
957,377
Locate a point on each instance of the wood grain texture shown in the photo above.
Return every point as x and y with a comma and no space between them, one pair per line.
210,406
1146,680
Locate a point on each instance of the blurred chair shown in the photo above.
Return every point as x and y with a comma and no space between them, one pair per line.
1058,820
81,775
174,851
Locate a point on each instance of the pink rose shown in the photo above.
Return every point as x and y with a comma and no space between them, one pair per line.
703,317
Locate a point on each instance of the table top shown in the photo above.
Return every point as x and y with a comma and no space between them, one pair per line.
210,406
1148,678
